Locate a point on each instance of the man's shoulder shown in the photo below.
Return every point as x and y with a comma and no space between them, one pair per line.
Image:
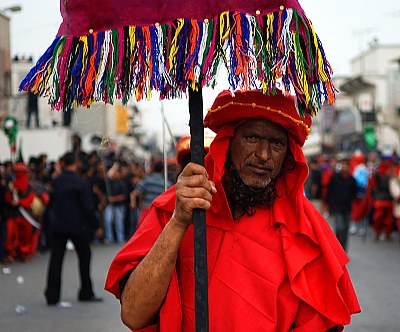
156,176
334,177
68,177
153,178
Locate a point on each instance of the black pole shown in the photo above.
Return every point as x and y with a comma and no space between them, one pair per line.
199,215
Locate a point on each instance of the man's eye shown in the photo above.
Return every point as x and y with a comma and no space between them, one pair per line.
278,142
251,138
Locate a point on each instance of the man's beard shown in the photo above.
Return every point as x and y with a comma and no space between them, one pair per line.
244,199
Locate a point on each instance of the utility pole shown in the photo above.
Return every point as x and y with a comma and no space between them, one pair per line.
361,35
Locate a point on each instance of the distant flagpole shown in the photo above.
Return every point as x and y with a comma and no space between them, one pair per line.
164,143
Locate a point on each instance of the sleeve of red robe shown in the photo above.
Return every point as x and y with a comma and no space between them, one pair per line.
25,202
170,315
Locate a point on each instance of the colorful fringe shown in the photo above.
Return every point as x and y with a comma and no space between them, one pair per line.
258,51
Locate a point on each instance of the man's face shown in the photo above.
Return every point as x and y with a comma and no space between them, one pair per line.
345,167
258,149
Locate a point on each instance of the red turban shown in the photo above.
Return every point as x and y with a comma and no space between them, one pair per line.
277,108
21,176
183,147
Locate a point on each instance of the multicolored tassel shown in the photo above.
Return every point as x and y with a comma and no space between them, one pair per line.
258,51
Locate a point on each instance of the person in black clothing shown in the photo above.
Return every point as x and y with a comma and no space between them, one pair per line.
72,217
342,189
32,109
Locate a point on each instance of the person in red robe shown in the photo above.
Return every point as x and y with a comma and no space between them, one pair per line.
274,263
20,240
382,200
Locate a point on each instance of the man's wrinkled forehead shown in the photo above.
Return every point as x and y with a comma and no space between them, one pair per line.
260,122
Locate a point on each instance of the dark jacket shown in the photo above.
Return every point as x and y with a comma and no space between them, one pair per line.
380,191
72,208
341,192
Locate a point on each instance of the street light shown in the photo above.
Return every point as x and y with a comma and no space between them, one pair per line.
13,9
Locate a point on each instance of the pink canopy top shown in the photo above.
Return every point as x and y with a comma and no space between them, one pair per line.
81,16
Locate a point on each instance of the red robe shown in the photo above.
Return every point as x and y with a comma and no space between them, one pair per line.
20,238
279,270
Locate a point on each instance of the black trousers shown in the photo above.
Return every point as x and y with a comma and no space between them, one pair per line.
58,242
31,112
342,224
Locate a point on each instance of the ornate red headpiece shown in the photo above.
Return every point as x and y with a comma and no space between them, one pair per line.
278,108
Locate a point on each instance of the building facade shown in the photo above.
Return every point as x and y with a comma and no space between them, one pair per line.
5,63
366,115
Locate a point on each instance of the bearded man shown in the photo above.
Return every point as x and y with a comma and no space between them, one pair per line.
273,262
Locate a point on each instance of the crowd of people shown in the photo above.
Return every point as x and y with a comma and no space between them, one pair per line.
122,190
355,191
119,190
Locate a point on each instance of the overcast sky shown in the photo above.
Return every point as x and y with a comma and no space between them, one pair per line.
345,27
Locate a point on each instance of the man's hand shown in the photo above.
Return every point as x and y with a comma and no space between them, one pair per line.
100,233
132,202
193,191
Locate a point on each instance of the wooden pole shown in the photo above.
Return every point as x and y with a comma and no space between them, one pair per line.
199,215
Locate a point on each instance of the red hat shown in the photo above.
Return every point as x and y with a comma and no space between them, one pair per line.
21,176
183,147
358,157
20,168
278,108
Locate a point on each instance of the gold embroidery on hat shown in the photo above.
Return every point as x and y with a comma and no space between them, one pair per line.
253,105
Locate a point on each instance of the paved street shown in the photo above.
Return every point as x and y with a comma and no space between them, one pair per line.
85,317
374,267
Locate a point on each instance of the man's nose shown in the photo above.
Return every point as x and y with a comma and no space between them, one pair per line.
263,150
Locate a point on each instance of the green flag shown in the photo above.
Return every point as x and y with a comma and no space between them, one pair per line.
370,137
10,128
